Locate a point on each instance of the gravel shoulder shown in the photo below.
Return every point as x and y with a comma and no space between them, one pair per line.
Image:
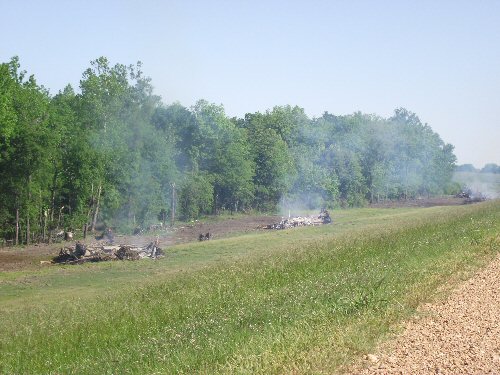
460,335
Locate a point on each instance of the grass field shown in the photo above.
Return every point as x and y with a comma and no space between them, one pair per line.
307,300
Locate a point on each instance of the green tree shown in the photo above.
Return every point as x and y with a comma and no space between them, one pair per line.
274,167
196,196
26,148
8,87
221,150
490,168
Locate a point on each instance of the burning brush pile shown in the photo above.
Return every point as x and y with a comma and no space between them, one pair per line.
300,221
471,196
80,253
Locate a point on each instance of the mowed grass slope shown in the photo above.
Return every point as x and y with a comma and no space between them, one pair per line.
301,301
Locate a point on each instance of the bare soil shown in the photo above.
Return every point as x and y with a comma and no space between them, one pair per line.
29,257
458,336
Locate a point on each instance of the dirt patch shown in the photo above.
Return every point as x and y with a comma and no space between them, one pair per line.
29,257
221,229
458,336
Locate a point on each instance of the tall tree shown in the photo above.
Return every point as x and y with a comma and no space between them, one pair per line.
26,147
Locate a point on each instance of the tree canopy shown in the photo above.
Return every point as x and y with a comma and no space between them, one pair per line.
113,153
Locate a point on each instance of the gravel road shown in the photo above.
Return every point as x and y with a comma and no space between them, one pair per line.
458,336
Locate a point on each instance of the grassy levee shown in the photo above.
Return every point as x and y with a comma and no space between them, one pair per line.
300,301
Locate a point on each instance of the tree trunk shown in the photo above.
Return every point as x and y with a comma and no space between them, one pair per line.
214,211
59,217
172,210
41,220
52,206
17,226
163,217
27,229
28,213
91,206
53,196
96,211
406,182
44,225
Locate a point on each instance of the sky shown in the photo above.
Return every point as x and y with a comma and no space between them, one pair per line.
439,59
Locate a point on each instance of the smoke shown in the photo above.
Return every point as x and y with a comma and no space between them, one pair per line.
487,184
300,205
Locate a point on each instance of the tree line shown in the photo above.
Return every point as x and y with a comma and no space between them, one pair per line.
114,153
488,168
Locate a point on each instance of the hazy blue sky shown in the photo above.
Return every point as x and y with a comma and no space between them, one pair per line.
440,59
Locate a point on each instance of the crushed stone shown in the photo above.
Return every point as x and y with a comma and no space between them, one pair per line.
460,335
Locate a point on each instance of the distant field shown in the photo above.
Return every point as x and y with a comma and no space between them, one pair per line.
305,300
486,183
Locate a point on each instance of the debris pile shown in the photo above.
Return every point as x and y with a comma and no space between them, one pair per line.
475,198
465,193
471,196
300,221
324,215
204,237
80,253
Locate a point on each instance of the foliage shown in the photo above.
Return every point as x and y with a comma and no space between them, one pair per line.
491,168
112,152
465,168
196,196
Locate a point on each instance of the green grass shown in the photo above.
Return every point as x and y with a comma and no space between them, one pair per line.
62,281
308,300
